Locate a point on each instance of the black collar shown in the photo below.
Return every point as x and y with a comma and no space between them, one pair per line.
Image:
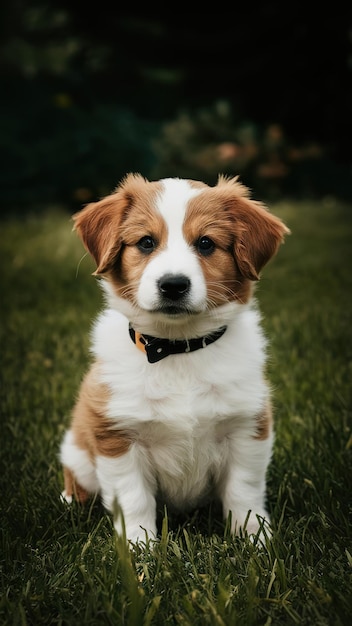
157,349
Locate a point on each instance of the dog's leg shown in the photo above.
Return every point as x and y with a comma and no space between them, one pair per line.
243,493
73,489
127,485
79,471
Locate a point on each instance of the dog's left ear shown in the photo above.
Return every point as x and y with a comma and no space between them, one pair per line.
258,235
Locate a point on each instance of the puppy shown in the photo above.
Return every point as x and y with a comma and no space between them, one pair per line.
175,404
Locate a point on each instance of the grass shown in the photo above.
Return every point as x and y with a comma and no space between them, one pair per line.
66,566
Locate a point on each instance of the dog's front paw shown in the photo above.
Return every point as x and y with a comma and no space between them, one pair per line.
260,531
136,534
255,525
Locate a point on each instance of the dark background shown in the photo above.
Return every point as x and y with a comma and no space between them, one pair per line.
92,91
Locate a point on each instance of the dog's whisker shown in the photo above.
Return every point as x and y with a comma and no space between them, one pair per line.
79,263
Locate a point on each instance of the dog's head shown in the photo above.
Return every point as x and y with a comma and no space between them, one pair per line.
175,247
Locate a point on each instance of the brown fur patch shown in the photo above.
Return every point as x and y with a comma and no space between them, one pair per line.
99,223
246,236
111,442
256,233
93,431
206,217
143,221
264,423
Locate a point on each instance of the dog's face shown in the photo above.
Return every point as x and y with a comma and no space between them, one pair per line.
177,248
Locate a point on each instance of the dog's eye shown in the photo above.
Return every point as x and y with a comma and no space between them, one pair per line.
205,246
146,244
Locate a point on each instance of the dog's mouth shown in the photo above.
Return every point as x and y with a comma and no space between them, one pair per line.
175,310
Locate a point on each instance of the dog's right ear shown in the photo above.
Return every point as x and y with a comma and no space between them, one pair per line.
98,226
99,223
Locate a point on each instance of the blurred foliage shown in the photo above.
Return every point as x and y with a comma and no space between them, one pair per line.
89,95
214,141
59,151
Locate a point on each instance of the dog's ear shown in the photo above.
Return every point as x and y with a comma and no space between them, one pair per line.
258,235
99,223
98,227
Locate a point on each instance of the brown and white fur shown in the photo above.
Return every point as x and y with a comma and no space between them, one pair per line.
178,260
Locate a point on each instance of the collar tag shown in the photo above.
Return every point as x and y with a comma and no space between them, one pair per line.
140,341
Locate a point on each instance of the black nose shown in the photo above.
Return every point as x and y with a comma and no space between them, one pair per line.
174,286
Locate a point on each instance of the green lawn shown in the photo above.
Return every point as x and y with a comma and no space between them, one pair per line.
65,566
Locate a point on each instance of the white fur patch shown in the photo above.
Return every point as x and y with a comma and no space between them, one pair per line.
79,463
178,257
